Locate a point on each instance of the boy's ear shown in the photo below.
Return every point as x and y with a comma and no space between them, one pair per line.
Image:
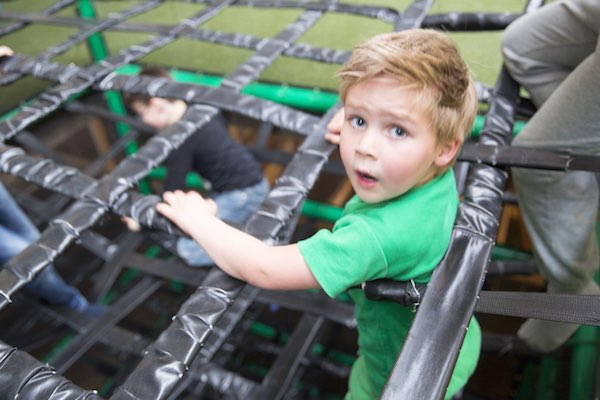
447,152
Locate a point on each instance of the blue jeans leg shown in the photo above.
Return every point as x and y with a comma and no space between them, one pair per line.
47,284
234,207
52,288
16,233
14,223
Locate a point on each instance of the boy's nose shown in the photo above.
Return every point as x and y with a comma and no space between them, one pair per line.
367,144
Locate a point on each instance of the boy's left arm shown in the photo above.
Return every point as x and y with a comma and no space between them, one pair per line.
236,252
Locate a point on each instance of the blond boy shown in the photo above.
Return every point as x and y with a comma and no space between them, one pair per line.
409,101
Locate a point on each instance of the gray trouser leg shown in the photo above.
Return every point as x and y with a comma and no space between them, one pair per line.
553,54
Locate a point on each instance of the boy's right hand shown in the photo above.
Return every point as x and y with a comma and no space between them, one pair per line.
334,127
186,210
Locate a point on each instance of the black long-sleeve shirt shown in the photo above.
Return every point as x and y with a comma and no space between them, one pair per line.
214,155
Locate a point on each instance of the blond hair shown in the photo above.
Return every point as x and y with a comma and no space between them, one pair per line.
429,62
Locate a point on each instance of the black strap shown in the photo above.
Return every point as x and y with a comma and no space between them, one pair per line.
572,308
527,157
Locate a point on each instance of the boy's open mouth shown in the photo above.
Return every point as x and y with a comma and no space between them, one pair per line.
366,177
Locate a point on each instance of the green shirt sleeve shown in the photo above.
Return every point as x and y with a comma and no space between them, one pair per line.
346,257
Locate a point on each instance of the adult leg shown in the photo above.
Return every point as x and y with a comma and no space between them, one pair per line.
560,209
542,48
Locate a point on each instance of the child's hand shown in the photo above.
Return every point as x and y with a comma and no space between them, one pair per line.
186,209
131,224
212,206
5,51
334,127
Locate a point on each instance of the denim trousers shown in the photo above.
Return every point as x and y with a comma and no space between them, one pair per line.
553,53
16,233
233,207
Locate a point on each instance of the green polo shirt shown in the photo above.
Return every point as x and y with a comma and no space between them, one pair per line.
403,238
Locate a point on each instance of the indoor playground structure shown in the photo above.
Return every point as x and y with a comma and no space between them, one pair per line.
77,162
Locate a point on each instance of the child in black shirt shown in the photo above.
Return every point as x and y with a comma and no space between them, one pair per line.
238,185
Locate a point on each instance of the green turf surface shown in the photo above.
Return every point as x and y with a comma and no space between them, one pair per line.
335,30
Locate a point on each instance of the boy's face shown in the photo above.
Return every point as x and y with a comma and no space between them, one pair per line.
159,113
387,144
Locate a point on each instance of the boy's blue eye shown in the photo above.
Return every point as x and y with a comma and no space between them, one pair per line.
396,131
357,122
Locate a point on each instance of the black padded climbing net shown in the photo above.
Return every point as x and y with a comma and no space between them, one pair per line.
189,357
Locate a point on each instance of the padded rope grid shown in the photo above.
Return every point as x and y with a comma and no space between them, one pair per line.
281,205
23,374
75,80
253,107
90,240
120,339
83,214
48,11
98,198
42,381
468,22
50,74
211,300
83,35
384,14
449,21
319,160
184,117
94,197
